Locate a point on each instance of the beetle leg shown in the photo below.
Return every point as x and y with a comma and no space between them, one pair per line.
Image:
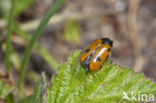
109,57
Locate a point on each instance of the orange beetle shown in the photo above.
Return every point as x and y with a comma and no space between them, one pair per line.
95,55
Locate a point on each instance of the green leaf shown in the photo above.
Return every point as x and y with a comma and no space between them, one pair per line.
108,84
5,89
72,31
39,90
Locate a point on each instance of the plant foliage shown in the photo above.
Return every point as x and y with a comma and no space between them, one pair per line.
22,5
38,93
5,89
72,31
106,85
57,5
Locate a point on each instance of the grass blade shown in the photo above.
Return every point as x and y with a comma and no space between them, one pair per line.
42,52
8,41
36,35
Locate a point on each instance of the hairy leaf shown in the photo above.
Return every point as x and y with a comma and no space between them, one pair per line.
108,84
38,92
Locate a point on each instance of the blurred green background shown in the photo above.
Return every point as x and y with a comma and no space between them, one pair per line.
131,24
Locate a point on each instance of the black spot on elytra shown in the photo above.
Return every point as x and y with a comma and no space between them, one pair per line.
108,49
98,59
87,50
86,62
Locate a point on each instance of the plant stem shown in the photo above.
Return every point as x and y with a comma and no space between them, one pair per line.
8,41
39,49
32,41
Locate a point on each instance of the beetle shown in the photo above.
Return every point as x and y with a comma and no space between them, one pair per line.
96,54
